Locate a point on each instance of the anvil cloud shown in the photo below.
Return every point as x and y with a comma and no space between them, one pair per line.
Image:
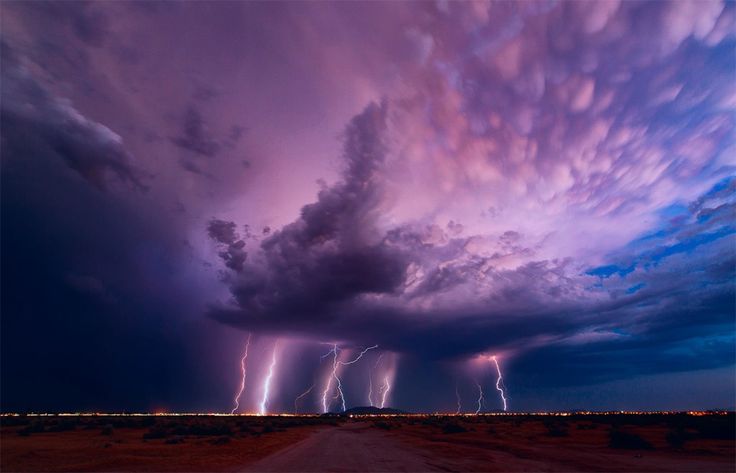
551,182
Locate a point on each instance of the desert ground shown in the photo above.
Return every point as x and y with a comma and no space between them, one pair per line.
672,443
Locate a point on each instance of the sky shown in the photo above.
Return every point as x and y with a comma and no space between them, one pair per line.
439,183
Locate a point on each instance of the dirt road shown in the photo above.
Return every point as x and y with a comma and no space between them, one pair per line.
352,447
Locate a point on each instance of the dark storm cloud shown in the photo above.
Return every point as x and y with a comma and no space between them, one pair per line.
30,113
418,290
312,262
88,265
82,18
195,136
590,134
225,233
321,272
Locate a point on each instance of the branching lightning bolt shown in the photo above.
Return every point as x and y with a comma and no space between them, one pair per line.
267,382
242,378
459,405
499,381
358,357
480,397
302,395
333,375
338,383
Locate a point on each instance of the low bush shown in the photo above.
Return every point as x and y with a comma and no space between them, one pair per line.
676,438
556,429
452,428
627,440
717,429
14,421
63,425
220,441
34,427
155,432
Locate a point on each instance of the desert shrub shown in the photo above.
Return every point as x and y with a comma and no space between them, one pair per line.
203,429
716,428
556,429
676,437
148,421
452,428
177,439
267,429
246,429
63,425
155,432
220,441
14,421
34,427
290,423
587,427
382,425
627,440
107,430
131,422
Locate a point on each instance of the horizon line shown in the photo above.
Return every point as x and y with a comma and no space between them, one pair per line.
342,414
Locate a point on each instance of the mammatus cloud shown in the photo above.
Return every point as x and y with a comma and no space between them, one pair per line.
419,289
225,234
476,208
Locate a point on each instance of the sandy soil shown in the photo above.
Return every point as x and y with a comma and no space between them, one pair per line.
125,449
405,444
505,447
350,447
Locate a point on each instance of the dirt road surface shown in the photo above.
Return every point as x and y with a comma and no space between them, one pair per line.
353,447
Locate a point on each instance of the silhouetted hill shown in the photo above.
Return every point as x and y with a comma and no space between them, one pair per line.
370,410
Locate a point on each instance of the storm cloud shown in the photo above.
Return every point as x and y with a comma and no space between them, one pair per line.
551,182
566,130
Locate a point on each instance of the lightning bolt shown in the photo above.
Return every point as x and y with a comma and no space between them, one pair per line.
242,378
370,389
359,356
459,405
385,388
370,379
499,381
302,395
338,383
480,397
267,382
332,375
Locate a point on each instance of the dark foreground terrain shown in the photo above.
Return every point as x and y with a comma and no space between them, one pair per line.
408,443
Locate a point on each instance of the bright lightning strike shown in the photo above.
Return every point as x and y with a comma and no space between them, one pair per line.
370,389
499,381
242,377
301,396
480,397
332,375
338,383
459,405
359,356
370,380
267,382
385,388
